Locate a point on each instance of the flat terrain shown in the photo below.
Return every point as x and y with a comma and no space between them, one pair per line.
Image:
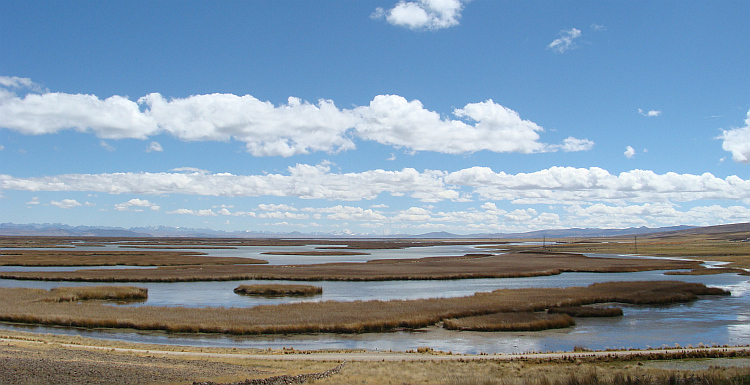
516,264
29,358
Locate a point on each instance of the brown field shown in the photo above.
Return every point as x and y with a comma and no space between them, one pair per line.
519,264
510,322
278,290
24,306
20,257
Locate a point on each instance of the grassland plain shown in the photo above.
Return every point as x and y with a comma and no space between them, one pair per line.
30,358
516,264
24,306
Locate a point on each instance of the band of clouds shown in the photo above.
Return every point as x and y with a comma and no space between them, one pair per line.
297,127
488,217
556,185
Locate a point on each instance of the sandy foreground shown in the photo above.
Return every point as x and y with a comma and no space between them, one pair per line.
29,358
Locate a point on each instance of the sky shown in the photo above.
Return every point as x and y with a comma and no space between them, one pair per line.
375,117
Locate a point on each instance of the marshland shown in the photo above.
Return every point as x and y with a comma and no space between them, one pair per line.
462,296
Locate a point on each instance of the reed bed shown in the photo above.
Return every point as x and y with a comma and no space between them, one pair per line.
58,257
315,253
510,322
22,305
511,265
586,311
106,293
275,290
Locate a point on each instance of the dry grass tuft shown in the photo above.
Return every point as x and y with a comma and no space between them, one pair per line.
586,311
106,293
507,322
279,290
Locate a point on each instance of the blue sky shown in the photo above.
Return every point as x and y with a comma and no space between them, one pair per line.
375,117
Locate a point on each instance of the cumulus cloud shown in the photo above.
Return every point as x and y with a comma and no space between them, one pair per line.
66,203
650,114
294,128
137,205
33,201
392,120
737,141
565,42
422,14
629,152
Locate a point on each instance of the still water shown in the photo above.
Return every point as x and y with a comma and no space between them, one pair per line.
714,320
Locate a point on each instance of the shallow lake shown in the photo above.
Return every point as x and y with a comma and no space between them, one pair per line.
713,320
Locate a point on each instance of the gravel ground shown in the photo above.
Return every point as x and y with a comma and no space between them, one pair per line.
33,365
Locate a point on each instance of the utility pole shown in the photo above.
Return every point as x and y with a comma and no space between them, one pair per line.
635,243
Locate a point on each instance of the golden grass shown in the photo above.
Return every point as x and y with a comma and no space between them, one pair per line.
587,311
58,257
506,322
279,290
22,305
106,293
509,265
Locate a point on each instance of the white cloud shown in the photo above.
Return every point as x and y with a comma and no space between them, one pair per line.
565,42
199,213
737,141
294,128
273,207
66,203
392,120
629,152
650,114
33,201
136,205
154,147
572,144
556,185
568,185
422,14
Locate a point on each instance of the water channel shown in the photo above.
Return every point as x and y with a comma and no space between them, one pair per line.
710,321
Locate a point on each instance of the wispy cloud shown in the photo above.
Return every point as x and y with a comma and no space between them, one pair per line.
650,114
154,147
566,41
422,14
629,152
66,203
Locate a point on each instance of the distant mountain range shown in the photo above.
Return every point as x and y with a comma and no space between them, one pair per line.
61,230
